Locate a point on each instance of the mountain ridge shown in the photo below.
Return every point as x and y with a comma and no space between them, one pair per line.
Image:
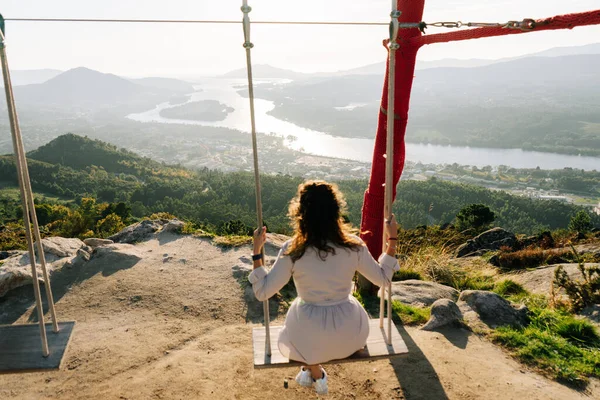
264,70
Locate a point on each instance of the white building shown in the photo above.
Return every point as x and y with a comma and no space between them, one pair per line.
557,198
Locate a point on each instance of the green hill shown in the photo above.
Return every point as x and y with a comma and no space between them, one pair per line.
72,166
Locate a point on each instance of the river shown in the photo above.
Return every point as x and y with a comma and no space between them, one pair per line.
323,144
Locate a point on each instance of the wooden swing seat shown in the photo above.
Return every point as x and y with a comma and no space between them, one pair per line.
20,349
376,347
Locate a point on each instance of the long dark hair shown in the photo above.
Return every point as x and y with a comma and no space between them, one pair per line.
316,215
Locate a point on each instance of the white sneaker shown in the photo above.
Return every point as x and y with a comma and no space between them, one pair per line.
321,384
304,378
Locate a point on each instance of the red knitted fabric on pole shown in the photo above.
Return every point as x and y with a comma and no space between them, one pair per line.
410,41
568,21
372,211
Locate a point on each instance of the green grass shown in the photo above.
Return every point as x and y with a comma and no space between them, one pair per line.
555,342
508,288
410,315
472,282
407,274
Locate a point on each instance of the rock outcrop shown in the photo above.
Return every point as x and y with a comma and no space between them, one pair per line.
493,239
539,280
95,242
61,247
444,312
479,306
59,253
138,232
421,293
174,226
144,230
10,253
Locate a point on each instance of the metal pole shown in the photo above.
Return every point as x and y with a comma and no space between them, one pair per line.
389,153
259,217
15,133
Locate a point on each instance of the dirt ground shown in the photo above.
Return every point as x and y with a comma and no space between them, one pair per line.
169,322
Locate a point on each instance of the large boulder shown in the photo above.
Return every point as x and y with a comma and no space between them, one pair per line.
61,247
539,280
138,232
15,271
174,226
95,242
444,312
493,239
421,293
479,306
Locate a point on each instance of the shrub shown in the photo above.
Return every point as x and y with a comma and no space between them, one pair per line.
234,227
581,293
232,240
530,258
12,237
161,215
109,225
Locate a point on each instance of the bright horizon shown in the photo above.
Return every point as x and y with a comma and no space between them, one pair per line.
194,50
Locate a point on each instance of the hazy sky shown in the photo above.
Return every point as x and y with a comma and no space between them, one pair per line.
178,49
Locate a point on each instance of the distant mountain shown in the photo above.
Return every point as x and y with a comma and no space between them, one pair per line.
593,48
267,71
81,87
175,85
379,68
263,71
556,75
32,76
85,89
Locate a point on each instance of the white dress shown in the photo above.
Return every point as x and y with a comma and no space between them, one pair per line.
325,322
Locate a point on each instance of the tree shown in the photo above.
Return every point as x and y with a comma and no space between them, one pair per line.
581,222
109,225
475,216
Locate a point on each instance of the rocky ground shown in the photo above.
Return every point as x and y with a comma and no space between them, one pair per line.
166,318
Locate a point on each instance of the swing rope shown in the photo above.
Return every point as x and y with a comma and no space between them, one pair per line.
26,193
259,217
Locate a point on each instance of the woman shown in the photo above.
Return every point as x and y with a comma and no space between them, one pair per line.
325,322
